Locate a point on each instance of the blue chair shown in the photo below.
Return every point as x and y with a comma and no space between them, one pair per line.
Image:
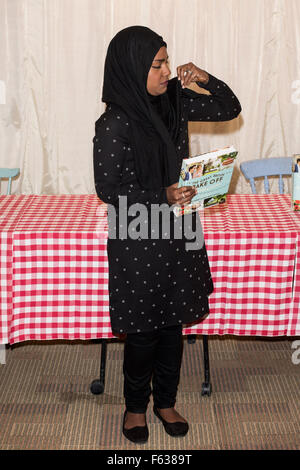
9,173
277,166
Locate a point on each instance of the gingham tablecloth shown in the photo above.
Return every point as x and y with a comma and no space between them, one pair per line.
253,247
54,269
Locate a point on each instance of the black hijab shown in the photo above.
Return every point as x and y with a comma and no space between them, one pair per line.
154,121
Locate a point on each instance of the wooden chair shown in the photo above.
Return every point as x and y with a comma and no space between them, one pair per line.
277,166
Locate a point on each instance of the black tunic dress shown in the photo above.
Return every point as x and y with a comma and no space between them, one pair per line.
157,281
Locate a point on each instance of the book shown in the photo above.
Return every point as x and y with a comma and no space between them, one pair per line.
296,183
211,174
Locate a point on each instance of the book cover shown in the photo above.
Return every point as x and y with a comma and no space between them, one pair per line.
296,183
211,174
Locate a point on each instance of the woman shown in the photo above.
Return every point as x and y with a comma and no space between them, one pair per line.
156,282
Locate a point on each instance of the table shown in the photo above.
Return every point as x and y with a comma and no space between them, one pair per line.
54,269
253,247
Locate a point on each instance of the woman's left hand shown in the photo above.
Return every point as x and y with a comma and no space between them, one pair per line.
189,73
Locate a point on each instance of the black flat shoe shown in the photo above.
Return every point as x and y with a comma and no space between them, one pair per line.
138,434
177,429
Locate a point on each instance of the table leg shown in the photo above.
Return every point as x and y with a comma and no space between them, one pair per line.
2,354
97,386
206,386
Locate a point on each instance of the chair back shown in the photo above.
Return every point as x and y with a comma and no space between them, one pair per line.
9,173
277,166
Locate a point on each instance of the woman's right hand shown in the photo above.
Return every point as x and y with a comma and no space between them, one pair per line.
180,196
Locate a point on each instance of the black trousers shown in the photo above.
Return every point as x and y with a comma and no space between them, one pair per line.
153,355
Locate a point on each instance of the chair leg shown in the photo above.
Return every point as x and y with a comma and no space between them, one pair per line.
206,386
97,386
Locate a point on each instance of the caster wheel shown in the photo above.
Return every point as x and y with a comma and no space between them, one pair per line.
97,387
206,389
191,339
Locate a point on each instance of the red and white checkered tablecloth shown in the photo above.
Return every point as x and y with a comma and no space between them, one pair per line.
54,269
253,243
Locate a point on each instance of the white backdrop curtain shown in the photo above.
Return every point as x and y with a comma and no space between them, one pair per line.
52,55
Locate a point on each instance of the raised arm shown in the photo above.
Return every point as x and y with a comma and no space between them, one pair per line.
221,105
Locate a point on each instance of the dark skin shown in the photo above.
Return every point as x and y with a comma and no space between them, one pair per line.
156,85
180,196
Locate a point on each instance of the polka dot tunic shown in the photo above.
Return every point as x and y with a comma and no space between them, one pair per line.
154,281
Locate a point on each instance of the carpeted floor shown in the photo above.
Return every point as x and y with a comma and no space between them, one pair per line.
46,403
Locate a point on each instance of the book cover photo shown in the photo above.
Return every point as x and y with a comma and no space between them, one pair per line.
211,174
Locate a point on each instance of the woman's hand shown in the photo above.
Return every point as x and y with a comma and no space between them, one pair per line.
181,195
189,73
